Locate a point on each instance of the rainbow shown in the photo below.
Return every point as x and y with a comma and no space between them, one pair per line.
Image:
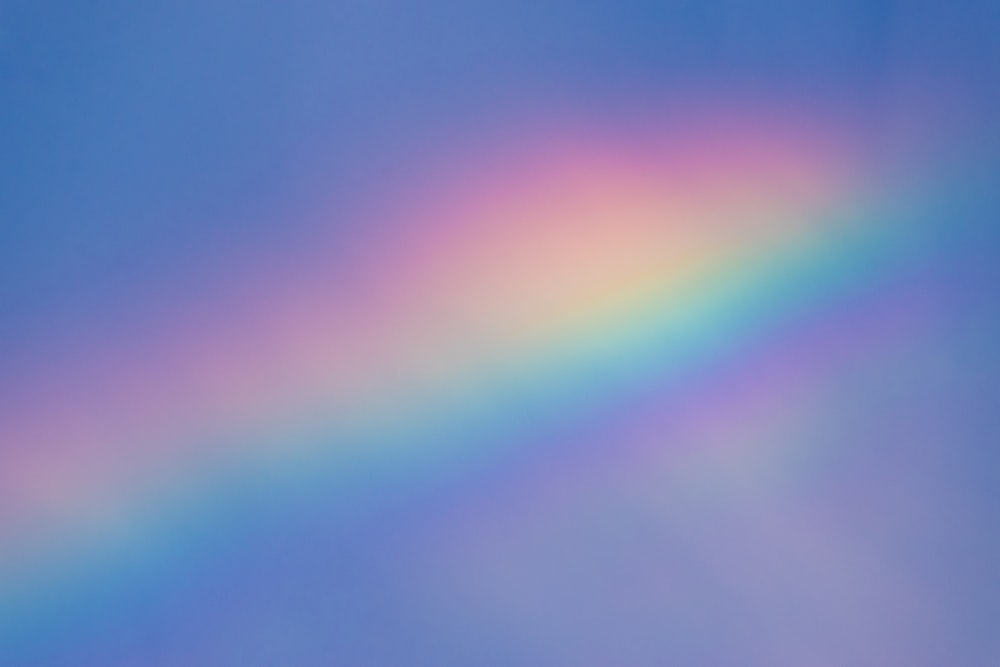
528,285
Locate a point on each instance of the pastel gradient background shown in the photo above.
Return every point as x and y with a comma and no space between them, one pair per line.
590,333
